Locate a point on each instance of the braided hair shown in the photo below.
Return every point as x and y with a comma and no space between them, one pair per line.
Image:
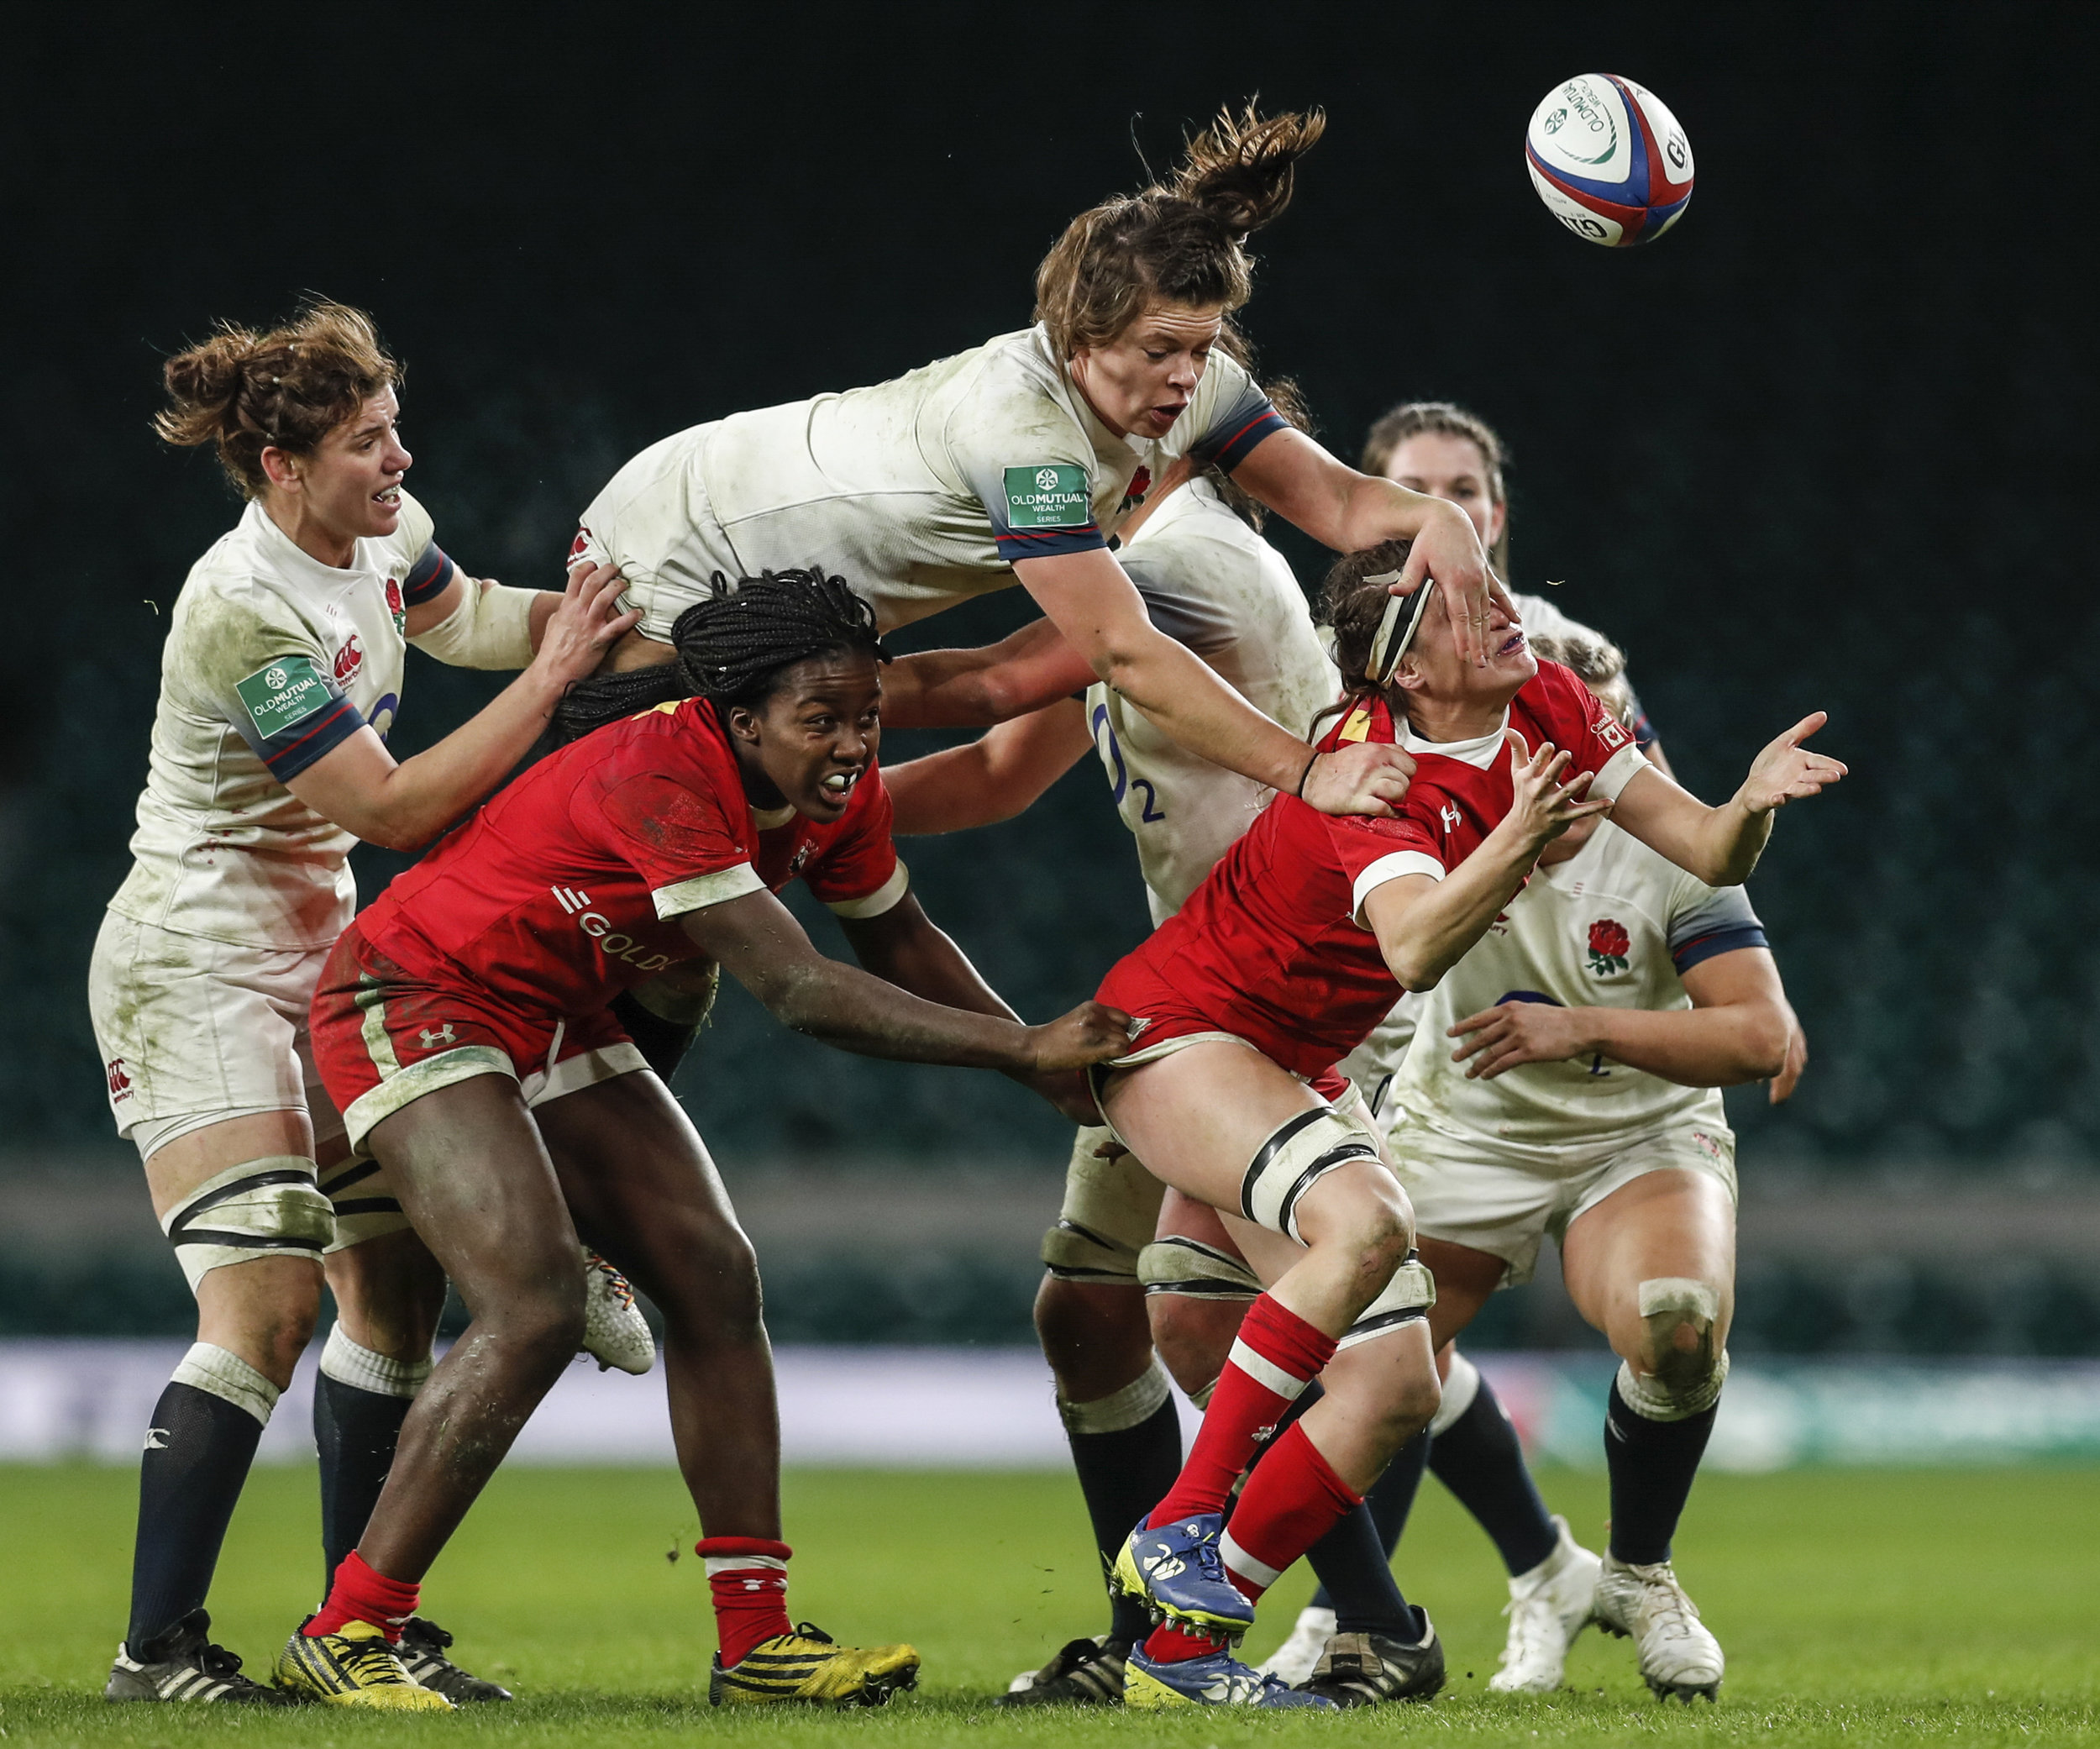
732,646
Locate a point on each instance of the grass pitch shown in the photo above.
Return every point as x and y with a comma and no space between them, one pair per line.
1856,1607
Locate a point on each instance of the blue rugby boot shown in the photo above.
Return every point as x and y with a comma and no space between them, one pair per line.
1218,1679
1176,1570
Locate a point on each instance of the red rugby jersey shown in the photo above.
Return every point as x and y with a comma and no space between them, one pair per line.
1270,947
567,886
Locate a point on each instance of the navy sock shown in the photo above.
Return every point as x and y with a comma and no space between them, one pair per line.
1479,1458
355,1431
199,1451
1353,1561
1651,1465
1123,1475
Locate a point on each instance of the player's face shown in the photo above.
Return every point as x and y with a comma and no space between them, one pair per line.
1433,668
350,486
814,738
1143,380
1443,466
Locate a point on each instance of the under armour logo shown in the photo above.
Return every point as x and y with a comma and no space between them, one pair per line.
156,1439
444,1035
1448,813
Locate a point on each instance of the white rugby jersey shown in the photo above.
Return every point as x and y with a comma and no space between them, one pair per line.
1211,583
920,491
273,658
1613,926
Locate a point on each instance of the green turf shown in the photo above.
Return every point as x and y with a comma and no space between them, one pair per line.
1856,1607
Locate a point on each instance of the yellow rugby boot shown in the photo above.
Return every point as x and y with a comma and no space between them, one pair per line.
809,1666
354,1668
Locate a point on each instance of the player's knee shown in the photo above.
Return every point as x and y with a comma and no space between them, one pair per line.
1193,1337
1676,1365
541,1320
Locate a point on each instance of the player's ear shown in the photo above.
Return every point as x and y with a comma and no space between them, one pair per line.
743,724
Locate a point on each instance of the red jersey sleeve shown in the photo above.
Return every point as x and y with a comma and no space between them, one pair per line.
1372,852
856,872
677,837
1576,719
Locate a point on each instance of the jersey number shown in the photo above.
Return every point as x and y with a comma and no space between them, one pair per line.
1119,774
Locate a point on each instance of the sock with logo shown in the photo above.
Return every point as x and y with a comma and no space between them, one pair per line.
1651,1465
1478,1457
1292,1499
747,1576
1126,1448
362,1593
1354,1560
1276,1355
199,1449
359,1402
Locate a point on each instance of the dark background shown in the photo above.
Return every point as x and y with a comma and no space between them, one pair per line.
1827,444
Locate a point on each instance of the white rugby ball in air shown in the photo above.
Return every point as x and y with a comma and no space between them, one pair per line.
1609,160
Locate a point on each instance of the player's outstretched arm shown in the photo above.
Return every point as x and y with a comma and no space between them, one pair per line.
977,688
479,623
1000,774
1721,845
757,941
359,785
1738,1029
1350,511
904,946
1425,926
1095,605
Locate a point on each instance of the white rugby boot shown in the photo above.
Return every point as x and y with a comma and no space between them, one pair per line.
1298,1656
615,1333
1548,1607
1679,1658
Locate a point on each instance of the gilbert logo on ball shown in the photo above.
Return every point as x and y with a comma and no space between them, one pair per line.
1609,160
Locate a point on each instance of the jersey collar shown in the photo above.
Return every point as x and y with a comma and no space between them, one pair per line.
1481,753
293,560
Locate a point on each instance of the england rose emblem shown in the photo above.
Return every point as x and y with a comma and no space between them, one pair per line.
1609,946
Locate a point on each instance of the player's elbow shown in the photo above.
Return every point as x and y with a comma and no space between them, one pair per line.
1412,972
1767,1031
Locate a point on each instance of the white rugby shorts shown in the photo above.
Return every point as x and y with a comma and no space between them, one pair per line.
1467,1194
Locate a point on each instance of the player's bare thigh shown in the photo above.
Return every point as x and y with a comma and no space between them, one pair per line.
1465,1278
1196,1118
1673,1224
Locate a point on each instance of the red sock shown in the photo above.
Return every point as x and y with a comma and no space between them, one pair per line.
361,1594
1275,1356
748,1577
1167,1644
1293,1499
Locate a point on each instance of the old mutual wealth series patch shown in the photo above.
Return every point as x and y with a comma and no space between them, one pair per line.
282,694
1051,495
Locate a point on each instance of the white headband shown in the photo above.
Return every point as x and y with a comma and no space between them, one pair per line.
1387,647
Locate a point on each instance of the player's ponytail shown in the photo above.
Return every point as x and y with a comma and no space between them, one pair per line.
733,647
1181,241
244,392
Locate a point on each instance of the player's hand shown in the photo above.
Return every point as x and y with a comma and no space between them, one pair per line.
1512,1033
1785,771
1090,1033
1368,778
1447,548
586,624
1781,1085
1544,808
1068,1091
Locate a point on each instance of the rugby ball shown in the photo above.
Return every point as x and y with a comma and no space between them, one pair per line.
1609,160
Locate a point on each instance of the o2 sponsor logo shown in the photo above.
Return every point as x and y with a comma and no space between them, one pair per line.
381,717
1119,779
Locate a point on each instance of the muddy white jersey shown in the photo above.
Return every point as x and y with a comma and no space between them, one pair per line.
920,491
272,659
1211,583
1615,926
